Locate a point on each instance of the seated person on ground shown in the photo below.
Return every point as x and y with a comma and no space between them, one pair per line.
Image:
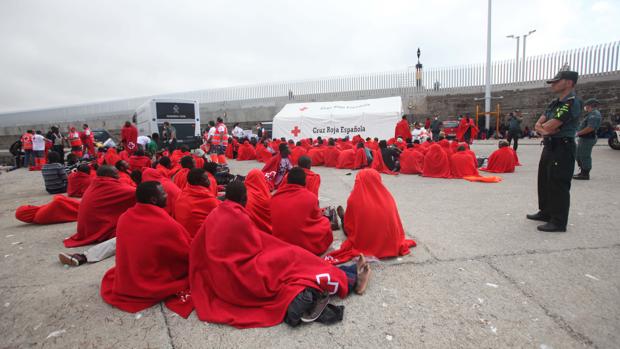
502,160
246,278
148,236
78,181
296,217
462,164
180,178
196,201
124,175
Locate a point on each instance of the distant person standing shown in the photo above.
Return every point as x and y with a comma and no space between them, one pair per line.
402,130
514,128
170,136
558,125
587,138
436,128
27,148
88,139
75,142
38,148
427,123
220,140
57,139
129,137
237,131
260,130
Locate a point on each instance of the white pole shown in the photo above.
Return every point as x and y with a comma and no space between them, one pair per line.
487,90
523,60
517,59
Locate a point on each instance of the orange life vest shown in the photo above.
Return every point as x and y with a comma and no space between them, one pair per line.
74,139
27,141
220,138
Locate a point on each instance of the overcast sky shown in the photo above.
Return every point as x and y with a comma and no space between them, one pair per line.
60,52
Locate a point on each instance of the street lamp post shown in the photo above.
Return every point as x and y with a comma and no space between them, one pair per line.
487,87
523,60
516,73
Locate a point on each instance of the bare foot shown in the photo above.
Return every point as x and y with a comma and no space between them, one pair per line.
363,275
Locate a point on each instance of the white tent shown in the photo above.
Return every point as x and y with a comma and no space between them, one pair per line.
368,118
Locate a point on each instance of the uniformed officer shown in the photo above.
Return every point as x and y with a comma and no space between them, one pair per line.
558,125
587,138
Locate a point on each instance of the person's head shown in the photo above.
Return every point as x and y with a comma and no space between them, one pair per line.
305,162
152,193
283,149
319,141
511,114
107,171
155,136
283,139
298,143
404,117
165,162
503,143
331,141
376,139
184,149
591,104
188,162
210,167
219,119
127,123
85,126
517,112
84,168
417,125
236,192
236,124
139,152
122,165
198,176
136,176
72,159
417,141
382,144
563,82
211,123
442,136
259,124
54,158
54,129
297,176
291,142
436,117
38,132
410,145
360,145
460,148
166,124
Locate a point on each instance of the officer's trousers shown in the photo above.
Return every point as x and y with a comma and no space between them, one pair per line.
555,172
584,152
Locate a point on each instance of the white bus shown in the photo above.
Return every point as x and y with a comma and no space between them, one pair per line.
182,114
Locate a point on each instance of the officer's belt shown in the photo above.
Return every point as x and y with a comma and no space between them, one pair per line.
552,141
589,135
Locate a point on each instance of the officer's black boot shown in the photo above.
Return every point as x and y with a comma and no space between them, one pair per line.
583,175
538,216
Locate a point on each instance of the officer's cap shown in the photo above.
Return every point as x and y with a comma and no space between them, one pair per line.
591,101
565,75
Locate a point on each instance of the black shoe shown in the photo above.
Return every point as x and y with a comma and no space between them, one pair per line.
583,175
551,228
538,216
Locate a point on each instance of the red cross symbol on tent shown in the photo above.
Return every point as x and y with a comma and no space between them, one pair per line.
303,108
295,131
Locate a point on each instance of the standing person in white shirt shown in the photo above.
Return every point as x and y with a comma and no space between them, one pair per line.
143,141
38,148
237,131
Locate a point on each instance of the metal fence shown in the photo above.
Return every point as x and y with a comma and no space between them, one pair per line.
588,61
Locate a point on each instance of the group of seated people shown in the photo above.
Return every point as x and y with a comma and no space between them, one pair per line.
242,254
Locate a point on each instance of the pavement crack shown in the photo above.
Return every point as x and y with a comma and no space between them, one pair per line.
557,319
168,332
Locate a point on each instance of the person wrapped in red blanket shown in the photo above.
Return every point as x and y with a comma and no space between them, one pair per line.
104,201
258,204
436,163
139,161
124,175
331,154
180,178
502,160
152,257
313,180
402,129
280,163
246,152
172,191
60,210
361,158
78,181
371,222
411,160
243,277
296,217
462,165
467,130
196,201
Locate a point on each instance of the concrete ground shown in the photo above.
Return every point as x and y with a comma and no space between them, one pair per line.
482,276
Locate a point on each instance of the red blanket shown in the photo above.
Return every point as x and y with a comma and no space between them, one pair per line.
262,154
461,165
125,178
378,164
297,219
77,183
436,163
331,156
103,202
346,159
245,278
313,181
402,130
152,263
462,129
296,153
111,157
171,189
360,160
371,221
139,162
317,155
501,161
60,210
259,197
411,161
193,206
180,179
246,152
164,170
272,163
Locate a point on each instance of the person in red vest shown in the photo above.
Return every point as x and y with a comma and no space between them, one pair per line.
129,137
88,139
27,148
467,130
75,142
402,130
220,140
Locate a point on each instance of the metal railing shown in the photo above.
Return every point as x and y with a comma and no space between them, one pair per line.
588,61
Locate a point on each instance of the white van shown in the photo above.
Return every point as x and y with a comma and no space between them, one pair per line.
182,114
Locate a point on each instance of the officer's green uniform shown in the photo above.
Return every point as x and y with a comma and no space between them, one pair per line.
557,161
588,140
